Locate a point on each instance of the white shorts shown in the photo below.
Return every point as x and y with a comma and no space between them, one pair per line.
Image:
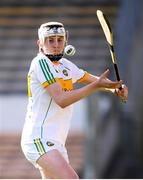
34,150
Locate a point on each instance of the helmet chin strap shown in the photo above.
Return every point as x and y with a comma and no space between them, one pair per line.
54,57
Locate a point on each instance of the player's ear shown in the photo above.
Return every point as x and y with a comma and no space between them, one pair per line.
39,45
38,42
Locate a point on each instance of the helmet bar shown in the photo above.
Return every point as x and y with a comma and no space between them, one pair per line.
51,29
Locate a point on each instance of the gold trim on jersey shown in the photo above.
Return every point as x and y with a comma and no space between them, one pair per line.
66,85
45,84
29,86
86,75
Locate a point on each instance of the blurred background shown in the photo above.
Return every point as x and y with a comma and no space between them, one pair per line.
106,137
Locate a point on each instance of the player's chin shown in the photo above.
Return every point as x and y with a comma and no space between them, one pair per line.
57,52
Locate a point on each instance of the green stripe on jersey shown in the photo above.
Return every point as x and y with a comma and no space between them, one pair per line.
36,146
46,71
49,69
41,65
42,146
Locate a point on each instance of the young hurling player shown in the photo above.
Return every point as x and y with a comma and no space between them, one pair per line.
51,95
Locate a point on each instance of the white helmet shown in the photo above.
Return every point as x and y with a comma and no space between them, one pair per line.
51,29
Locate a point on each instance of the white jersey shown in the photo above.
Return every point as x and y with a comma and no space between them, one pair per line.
45,119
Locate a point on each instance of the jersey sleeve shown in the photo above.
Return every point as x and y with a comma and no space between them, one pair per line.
46,73
78,75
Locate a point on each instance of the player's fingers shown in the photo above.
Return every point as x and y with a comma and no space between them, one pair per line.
105,74
123,90
116,84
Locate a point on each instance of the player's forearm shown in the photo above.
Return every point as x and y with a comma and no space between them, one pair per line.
93,78
76,95
66,98
90,79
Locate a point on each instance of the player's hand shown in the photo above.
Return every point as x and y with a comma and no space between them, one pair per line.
122,93
104,82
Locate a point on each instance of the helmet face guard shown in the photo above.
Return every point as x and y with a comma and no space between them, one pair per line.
51,29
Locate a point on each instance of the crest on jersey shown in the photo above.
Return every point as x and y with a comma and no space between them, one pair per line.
65,72
49,143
